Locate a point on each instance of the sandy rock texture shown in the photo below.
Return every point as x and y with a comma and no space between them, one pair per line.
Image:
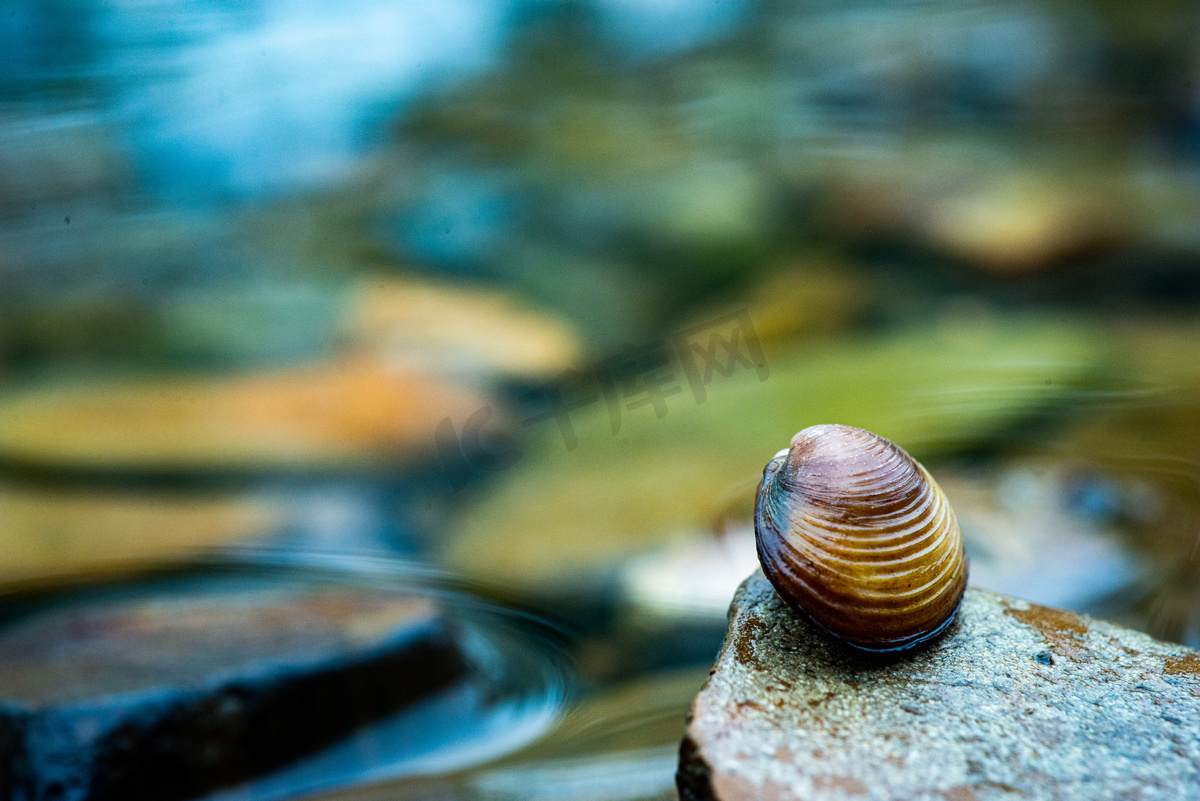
1016,701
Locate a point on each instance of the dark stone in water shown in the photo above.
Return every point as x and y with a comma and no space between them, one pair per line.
161,698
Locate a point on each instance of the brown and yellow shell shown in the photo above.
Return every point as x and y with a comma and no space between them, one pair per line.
856,535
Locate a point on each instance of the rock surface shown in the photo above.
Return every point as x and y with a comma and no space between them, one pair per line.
175,693
1015,701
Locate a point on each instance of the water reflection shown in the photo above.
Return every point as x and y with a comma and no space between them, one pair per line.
515,692
253,260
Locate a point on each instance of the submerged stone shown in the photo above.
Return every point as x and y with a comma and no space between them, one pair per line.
174,694
346,413
49,533
456,330
1015,701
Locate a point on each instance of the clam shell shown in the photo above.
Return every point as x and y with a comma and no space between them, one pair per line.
856,535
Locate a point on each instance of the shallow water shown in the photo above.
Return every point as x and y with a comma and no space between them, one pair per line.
511,301
518,685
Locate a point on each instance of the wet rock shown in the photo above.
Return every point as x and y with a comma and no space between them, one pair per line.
174,694
1016,700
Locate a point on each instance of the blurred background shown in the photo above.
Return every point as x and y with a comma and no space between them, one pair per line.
508,302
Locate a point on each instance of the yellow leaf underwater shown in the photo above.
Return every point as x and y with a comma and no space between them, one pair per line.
48,534
338,414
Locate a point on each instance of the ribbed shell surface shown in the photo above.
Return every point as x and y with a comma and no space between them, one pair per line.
854,533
